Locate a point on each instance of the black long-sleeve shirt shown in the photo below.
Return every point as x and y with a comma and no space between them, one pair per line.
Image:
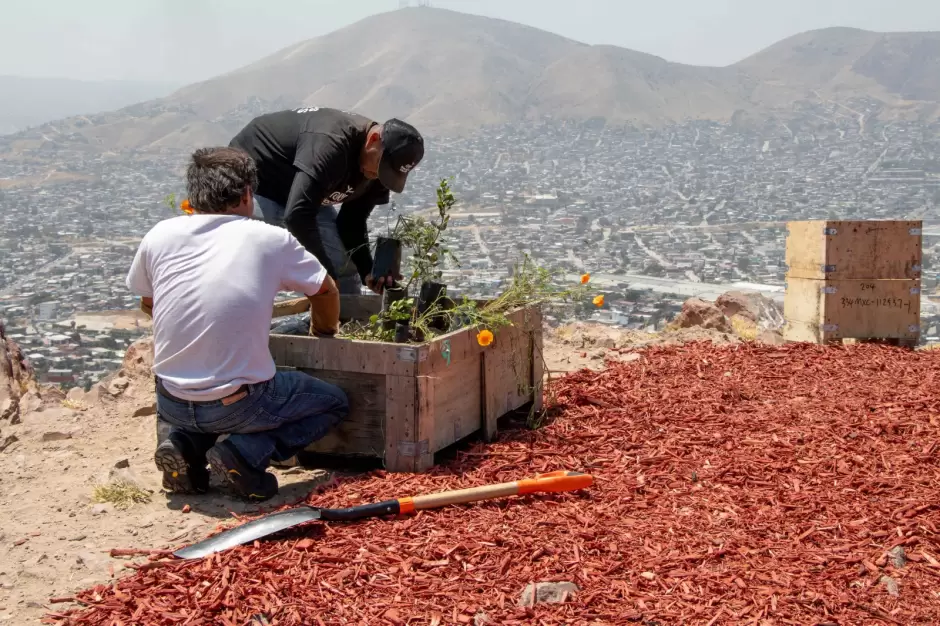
308,158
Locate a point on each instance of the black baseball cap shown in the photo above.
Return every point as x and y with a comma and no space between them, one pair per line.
402,150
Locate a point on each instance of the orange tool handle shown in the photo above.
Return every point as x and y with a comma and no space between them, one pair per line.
555,482
552,482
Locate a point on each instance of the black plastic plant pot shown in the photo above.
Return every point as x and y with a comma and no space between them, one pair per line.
402,332
459,322
389,297
387,260
431,294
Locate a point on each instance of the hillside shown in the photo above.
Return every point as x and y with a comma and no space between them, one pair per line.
29,101
895,68
450,73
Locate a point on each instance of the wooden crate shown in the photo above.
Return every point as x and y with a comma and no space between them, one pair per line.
820,311
842,250
409,401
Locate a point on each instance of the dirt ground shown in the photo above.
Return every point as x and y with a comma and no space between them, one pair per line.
572,347
119,320
57,539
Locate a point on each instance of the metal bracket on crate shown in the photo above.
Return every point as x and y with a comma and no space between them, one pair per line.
913,328
828,269
828,289
915,291
914,231
410,355
916,268
830,328
414,448
830,231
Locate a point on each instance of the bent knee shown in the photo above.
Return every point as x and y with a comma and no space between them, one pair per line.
340,399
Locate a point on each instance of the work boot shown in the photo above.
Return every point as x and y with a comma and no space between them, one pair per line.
184,470
247,482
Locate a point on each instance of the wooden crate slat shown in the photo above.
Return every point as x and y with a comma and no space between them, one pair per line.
361,432
859,309
863,249
453,384
538,369
367,357
425,421
805,332
402,449
508,373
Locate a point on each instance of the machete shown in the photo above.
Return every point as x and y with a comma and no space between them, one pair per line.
282,520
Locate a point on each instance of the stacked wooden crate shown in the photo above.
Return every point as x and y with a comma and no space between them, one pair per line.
853,280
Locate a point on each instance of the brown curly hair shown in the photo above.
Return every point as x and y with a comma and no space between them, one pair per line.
216,178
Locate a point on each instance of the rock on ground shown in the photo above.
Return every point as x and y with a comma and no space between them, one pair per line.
891,586
547,593
697,313
139,359
755,307
770,338
17,383
76,395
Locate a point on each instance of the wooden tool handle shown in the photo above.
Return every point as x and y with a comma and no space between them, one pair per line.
552,482
290,307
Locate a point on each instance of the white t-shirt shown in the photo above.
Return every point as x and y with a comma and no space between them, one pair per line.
213,280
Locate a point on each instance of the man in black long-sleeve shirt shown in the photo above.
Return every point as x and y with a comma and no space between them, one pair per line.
310,160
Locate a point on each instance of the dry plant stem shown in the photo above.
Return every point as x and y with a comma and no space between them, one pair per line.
121,495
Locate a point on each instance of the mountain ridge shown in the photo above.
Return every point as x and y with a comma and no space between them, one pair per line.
32,100
450,73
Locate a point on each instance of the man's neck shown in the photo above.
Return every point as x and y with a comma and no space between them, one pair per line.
236,212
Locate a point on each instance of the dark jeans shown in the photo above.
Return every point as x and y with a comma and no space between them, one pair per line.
276,420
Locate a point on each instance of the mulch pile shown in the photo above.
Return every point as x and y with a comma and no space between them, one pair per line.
734,485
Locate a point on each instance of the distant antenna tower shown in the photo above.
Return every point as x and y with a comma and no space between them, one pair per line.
403,4
424,3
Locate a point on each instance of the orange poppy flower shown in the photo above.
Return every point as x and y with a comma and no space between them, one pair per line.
599,300
585,278
187,207
484,338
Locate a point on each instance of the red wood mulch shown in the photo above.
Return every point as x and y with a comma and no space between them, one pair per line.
734,485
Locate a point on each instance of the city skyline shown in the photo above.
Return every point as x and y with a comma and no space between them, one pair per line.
655,216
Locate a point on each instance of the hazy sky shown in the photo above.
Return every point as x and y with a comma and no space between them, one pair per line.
182,41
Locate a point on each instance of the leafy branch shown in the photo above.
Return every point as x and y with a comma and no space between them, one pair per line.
530,285
424,239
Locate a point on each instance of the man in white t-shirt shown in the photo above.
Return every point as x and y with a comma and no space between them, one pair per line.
210,280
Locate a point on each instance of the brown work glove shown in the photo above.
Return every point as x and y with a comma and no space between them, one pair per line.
147,309
324,310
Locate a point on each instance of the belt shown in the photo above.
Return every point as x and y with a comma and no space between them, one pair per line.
232,398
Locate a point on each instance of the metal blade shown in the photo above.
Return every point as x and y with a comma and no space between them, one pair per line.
246,533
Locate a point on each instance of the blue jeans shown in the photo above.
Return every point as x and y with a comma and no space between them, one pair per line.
347,278
276,420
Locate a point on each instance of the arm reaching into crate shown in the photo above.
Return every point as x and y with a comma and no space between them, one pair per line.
324,309
302,272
